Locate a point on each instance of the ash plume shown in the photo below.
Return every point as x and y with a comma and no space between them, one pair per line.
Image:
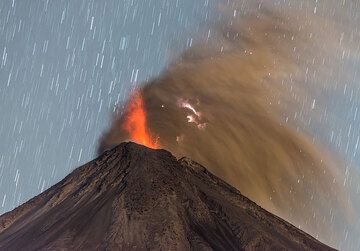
222,104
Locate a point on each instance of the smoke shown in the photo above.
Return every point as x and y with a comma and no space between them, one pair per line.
225,103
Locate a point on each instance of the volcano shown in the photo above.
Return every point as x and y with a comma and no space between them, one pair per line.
135,198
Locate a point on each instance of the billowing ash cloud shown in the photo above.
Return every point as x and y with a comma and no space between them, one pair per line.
223,106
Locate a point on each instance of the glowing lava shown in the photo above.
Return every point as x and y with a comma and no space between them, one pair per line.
135,122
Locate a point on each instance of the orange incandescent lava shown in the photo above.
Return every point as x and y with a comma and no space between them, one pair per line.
135,122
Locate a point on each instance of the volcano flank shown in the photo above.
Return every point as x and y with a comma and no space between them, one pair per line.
134,197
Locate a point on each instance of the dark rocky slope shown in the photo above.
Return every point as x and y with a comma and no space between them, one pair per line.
133,197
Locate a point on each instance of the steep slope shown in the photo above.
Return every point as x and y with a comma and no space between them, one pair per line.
133,197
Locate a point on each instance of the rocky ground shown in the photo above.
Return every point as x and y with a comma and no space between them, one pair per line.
136,198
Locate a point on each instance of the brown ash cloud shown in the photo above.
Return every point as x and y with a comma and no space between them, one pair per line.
221,104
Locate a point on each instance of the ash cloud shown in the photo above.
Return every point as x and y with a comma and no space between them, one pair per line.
222,104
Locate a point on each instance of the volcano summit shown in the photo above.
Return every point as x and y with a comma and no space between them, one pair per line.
133,197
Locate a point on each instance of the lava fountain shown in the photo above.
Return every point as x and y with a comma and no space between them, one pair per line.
135,122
